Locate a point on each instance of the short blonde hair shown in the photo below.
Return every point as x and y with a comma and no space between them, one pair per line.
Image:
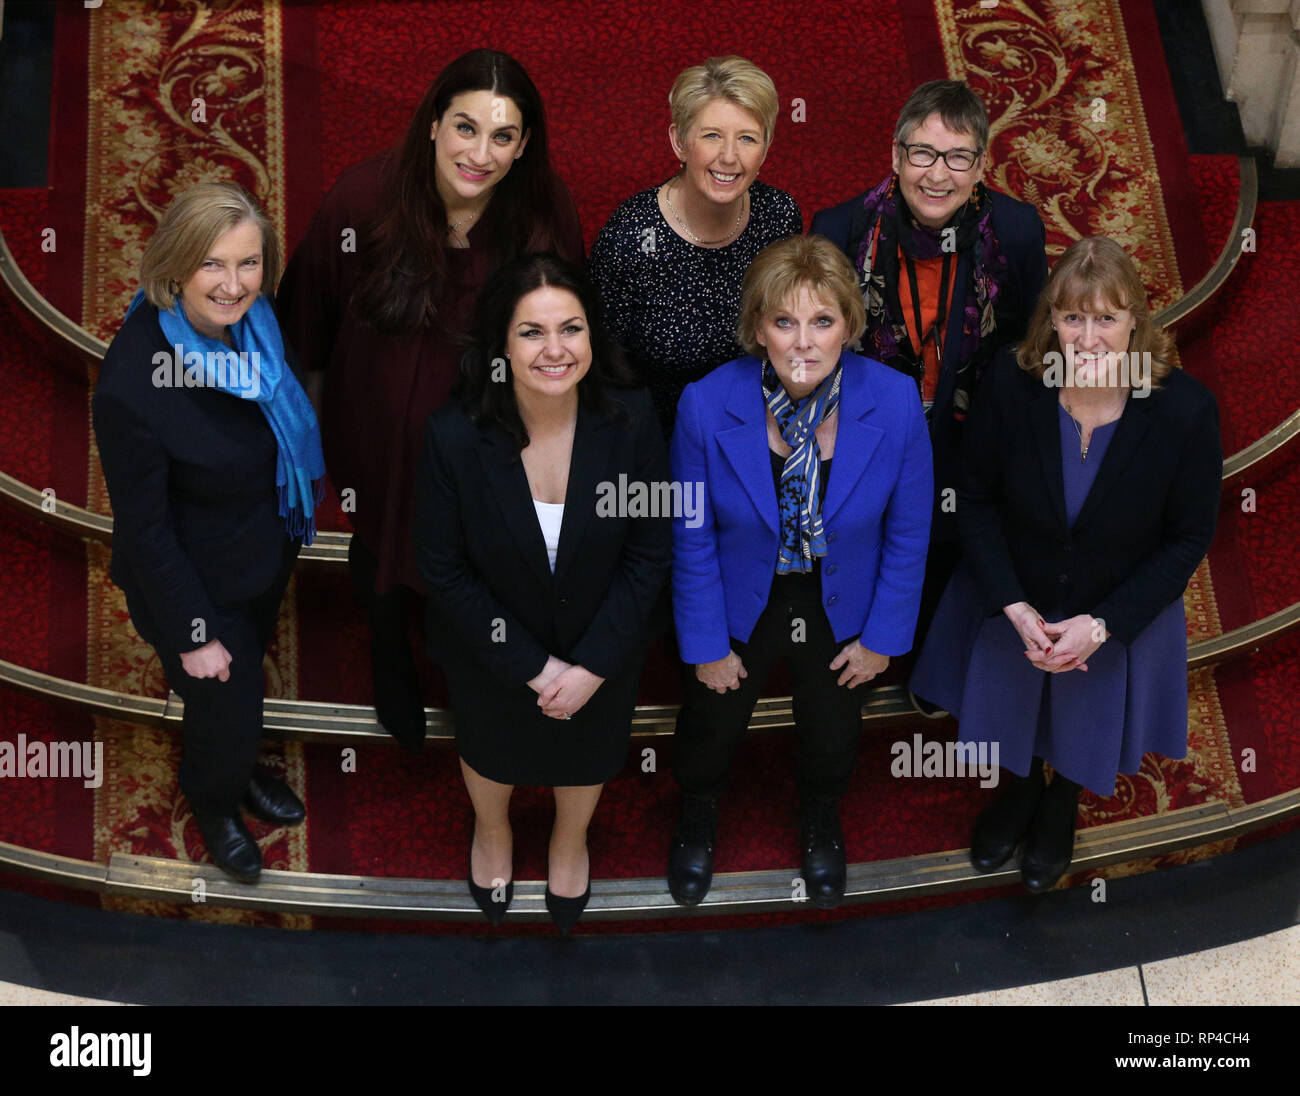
1094,271
732,79
189,227
781,269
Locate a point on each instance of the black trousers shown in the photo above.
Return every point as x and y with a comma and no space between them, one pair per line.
222,726
827,716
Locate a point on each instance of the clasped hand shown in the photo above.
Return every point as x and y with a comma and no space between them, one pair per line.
1056,646
563,689
210,660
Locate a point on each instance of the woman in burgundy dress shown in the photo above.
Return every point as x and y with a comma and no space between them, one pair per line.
376,301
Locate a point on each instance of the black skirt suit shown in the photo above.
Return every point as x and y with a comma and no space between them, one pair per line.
199,546
496,611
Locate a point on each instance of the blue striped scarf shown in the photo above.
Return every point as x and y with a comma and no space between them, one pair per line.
799,496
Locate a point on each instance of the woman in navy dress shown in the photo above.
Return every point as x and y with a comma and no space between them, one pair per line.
1090,495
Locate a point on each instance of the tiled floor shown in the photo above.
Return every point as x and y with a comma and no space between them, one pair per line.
13,994
1262,971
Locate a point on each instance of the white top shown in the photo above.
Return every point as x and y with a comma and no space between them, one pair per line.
550,516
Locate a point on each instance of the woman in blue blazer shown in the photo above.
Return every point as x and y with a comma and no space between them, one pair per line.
813,473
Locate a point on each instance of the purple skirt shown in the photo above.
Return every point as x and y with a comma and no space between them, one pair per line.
1090,726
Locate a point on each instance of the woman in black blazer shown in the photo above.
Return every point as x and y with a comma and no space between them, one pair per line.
543,571
1092,471
213,464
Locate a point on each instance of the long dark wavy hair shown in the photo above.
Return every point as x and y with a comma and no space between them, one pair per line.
404,252
491,400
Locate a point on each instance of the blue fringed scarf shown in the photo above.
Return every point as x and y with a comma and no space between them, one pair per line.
300,464
799,499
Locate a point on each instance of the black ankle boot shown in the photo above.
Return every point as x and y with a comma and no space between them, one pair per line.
273,801
1000,828
690,859
1051,836
824,869
230,845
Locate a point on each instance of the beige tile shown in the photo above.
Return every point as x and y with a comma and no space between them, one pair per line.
1262,971
1111,987
13,994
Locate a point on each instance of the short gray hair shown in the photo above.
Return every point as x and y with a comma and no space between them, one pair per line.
960,109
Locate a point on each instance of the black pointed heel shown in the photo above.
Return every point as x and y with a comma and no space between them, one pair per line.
566,911
493,910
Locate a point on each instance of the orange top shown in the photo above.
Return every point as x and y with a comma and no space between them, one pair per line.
928,275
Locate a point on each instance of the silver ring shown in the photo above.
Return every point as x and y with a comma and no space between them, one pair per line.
565,716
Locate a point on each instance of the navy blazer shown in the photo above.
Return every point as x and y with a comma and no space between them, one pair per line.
1022,238
876,511
1145,526
481,555
191,477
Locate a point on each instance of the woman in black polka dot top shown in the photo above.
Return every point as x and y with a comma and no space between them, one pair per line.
670,260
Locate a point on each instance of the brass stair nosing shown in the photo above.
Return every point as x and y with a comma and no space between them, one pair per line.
766,891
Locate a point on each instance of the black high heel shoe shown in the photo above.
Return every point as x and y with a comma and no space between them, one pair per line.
493,910
566,911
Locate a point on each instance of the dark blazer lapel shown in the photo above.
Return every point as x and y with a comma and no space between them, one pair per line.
1045,423
1133,425
745,444
856,440
952,331
508,484
588,466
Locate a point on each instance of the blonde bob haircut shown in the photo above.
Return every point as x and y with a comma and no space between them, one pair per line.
1094,274
732,79
193,222
782,269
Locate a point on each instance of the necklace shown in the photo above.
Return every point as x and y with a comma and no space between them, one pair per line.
1078,427
735,229
453,225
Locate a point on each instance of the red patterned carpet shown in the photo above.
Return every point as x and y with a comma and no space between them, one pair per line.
302,91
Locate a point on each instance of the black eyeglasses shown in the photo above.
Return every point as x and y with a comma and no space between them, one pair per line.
957,159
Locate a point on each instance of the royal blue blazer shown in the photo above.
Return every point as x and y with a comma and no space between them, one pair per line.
876,512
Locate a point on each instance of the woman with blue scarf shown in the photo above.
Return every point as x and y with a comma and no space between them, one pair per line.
213,463
810,544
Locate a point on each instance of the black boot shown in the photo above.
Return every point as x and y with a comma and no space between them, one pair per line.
398,703
1051,836
230,845
273,801
690,859
1000,828
824,869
